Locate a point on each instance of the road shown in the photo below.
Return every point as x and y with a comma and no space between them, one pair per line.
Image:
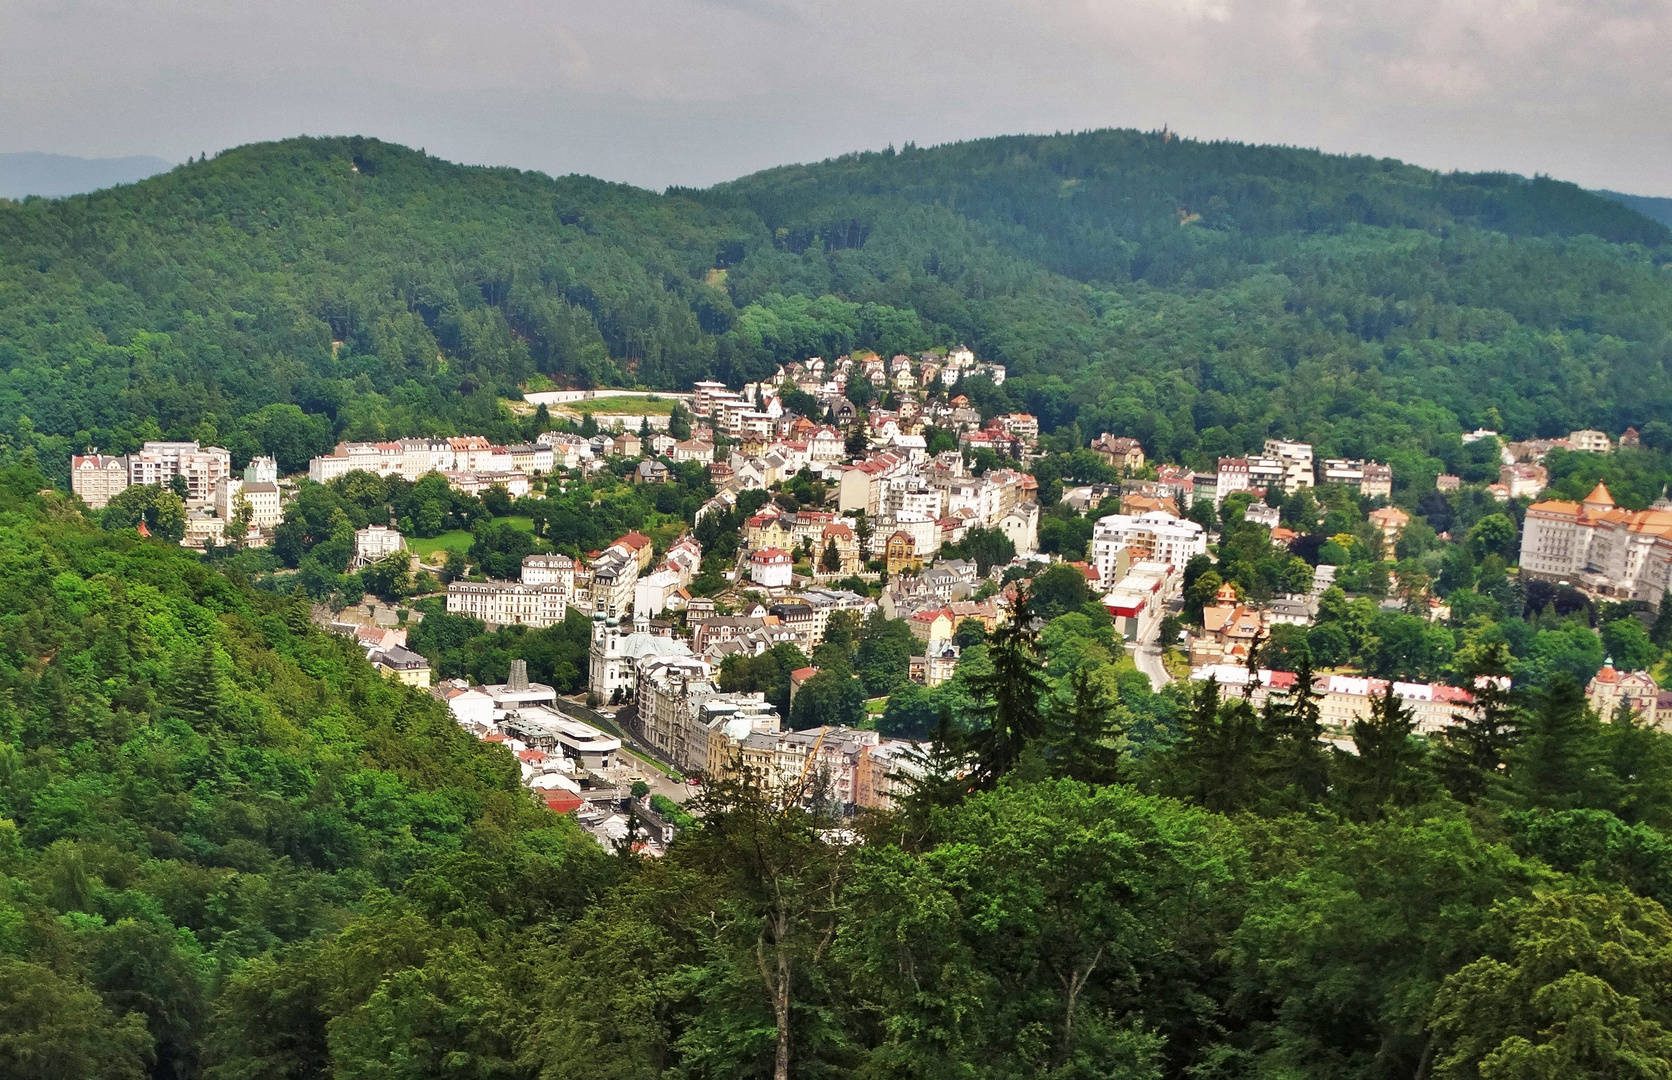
1148,658
636,760
1147,655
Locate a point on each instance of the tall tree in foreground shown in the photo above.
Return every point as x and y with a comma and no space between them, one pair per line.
1216,763
1083,732
1584,990
1386,768
1561,762
1473,750
1009,698
1296,768
781,882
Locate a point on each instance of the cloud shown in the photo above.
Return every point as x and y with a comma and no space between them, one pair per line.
693,91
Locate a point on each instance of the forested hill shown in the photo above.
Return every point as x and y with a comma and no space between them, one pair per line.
1651,206
1197,295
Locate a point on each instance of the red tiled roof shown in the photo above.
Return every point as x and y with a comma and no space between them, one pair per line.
563,802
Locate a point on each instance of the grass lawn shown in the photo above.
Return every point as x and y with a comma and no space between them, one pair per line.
458,540
634,405
461,539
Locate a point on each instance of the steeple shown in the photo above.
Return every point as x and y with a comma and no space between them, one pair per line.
1599,499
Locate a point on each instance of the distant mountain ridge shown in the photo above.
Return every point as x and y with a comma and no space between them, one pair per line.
56,175
1654,207
1198,296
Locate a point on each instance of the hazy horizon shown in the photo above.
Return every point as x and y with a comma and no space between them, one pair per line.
698,91
53,175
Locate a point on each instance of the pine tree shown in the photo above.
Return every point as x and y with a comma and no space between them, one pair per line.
1216,761
1472,752
936,777
1561,763
1009,697
831,560
1295,761
1084,733
1384,770
197,696
1662,632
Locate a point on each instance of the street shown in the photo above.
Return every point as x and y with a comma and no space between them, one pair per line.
1146,653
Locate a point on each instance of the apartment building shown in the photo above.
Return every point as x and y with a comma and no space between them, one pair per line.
1365,477
1346,699
200,467
509,603
261,495
1153,537
97,478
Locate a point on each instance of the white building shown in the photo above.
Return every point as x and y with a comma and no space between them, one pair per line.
1155,536
1346,699
1598,547
1138,600
262,469
97,478
615,654
1021,526
549,570
652,593
771,568
261,495
201,467
509,603
1295,459
376,541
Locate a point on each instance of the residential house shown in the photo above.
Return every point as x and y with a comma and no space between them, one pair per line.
1120,452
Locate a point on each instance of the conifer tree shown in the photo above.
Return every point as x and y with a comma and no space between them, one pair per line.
1215,763
1009,697
1661,634
1295,760
197,695
1561,762
1384,770
1084,732
1472,752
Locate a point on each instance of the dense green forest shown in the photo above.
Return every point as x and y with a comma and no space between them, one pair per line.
1197,295
229,850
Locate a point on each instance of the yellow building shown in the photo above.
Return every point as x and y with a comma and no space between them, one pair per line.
900,554
403,665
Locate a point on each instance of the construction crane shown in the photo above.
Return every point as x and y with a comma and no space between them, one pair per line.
812,756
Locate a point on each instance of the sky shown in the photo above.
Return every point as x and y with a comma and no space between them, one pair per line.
659,92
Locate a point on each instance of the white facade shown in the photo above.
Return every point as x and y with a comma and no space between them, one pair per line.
1154,536
1598,547
615,654
1021,527
201,467
375,541
508,603
549,570
770,568
98,478
261,495
652,592
262,469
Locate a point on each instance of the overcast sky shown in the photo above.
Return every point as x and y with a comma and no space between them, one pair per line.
658,92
